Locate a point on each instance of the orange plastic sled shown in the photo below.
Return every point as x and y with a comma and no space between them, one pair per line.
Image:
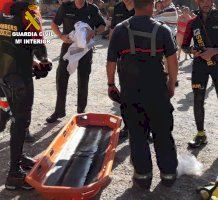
78,162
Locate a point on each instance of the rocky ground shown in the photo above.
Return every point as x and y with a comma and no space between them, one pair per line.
121,186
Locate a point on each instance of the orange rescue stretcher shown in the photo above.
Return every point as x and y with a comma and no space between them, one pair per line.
78,162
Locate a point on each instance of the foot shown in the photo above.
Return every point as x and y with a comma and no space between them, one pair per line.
142,182
29,137
168,179
16,180
124,132
26,162
199,140
80,110
4,118
54,117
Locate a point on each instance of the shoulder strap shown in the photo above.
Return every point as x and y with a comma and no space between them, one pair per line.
131,36
153,39
152,36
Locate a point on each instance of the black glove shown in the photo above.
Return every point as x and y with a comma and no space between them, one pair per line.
114,93
41,69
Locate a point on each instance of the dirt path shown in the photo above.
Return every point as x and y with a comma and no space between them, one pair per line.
121,186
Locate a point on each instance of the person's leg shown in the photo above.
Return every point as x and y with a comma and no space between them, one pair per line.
200,77
124,131
62,77
140,154
21,109
30,98
83,72
161,122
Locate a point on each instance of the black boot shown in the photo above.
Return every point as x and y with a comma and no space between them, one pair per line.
54,117
124,133
16,180
142,181
80,110
26,162
198,141
168,179
29,137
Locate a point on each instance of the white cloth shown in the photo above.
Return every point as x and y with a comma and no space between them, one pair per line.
169,16
79,47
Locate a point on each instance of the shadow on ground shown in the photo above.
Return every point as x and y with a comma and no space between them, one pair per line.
185,185
33,149
187,102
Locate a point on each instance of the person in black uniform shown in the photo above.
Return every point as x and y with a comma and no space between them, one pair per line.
137,46
122,11
204,33
17,84
68,14
5,116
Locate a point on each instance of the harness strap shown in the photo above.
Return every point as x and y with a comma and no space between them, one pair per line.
153,39
152,36
131,36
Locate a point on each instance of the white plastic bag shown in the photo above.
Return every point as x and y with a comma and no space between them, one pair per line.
79,47
81,34
189,165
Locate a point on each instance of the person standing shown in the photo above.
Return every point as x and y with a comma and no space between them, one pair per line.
68,14
168,15
17,84
202,29
122,11
137,46
184,18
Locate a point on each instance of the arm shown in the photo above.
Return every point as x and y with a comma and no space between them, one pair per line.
110,34
188,35
99,24
113,23
56,30
99,21
208,53
112,57
172,64
111,70
170,49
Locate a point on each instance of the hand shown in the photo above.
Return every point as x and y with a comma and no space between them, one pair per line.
208,53
90,35
195,52
114,94
46,64
66,39
36,64
171,88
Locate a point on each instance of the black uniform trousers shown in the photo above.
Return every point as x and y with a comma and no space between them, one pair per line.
62,77
146,104
20,103
200,75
